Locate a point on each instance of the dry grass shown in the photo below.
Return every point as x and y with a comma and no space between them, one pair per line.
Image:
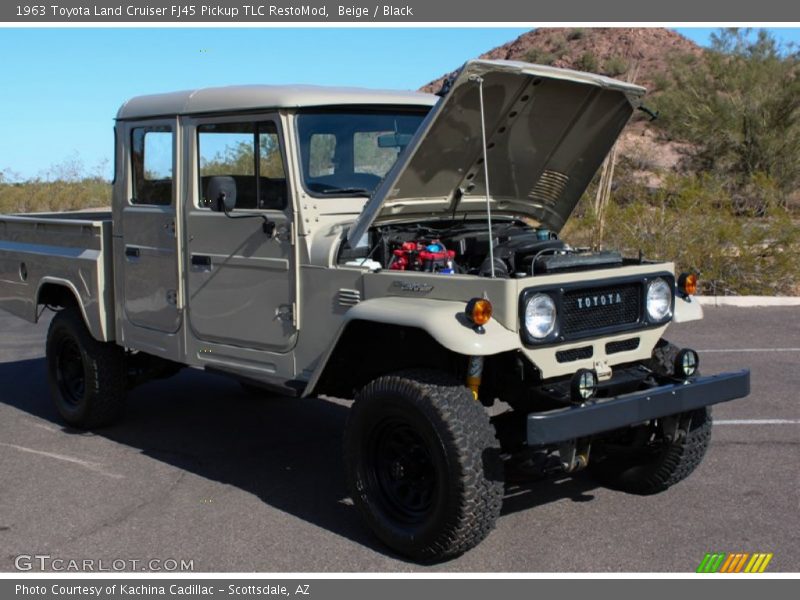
66,186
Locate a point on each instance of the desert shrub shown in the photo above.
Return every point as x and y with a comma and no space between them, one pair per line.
614,66
66,186
693,220
739,108
559,47
576,34
661,82
540,56
587,62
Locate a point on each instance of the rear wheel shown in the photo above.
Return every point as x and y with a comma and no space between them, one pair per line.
423,465
642,461
87,378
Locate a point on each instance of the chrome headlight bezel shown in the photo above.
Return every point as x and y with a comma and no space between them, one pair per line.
659,300
547,302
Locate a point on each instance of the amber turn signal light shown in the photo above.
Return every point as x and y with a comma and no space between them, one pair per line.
479,311
687,283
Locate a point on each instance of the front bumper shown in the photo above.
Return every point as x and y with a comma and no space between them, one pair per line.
607,414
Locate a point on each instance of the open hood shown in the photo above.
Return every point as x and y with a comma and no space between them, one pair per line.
547,132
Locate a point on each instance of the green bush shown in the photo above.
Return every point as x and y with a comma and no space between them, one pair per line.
694,221
661,82
540,57
614,66
587,62
739,108
576,34
559,47
66,186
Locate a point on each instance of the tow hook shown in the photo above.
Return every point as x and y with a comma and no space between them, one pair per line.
574,455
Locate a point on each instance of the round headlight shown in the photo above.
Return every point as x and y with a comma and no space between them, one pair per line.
659,300
540,316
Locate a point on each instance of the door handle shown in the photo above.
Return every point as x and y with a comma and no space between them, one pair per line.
201,261
132,252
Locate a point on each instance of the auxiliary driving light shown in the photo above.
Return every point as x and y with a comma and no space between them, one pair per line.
479,311
584,385
686,363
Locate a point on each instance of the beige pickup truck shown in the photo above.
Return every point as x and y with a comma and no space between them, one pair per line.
395,248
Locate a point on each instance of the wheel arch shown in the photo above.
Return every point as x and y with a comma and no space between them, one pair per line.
438,329
364,350
63,293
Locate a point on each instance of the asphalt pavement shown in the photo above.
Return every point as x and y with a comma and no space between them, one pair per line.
201,471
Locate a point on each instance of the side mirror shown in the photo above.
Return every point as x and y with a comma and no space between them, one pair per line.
221,193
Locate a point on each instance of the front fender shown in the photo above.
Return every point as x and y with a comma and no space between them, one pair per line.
687,310
443,320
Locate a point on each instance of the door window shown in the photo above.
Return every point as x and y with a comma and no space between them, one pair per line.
248,156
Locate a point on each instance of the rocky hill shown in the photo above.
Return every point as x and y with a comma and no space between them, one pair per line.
641,55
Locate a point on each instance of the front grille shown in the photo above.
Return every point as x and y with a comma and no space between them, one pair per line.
565,356
593,309
622,346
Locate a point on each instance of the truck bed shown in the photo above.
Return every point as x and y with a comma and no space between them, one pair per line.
39,251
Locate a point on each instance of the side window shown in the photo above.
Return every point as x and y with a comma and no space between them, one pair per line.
322,149
151,158
248,156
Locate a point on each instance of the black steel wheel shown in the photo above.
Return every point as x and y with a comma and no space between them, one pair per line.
423,465
87,378
403,470
70,372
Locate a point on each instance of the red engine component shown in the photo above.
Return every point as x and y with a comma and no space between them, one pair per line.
422,256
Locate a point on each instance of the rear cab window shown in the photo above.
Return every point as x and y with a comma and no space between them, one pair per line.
152,162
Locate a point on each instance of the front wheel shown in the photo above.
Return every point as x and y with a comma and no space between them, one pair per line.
641,461
423,465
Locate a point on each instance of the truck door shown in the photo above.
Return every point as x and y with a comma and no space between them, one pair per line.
149,249
240,267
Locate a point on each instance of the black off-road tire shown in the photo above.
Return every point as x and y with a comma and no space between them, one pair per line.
654,468
662,362
254,390
441,495
87,378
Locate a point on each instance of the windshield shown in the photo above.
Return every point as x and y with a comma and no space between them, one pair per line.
348,153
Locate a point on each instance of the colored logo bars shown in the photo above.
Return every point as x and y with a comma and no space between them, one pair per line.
741,562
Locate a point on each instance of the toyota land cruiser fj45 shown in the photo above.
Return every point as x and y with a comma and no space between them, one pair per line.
395,248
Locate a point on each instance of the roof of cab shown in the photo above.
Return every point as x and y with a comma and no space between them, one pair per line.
252,97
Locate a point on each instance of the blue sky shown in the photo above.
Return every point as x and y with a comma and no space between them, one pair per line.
62,86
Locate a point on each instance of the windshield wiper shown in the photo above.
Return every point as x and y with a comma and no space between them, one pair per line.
348,190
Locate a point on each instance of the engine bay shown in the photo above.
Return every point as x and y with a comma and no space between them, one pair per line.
463,248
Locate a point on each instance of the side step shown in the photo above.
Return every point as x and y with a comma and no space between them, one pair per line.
287,387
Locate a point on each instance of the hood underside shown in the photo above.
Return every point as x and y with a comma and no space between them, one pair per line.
547,132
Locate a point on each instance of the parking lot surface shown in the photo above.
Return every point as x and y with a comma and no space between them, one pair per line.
201,471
